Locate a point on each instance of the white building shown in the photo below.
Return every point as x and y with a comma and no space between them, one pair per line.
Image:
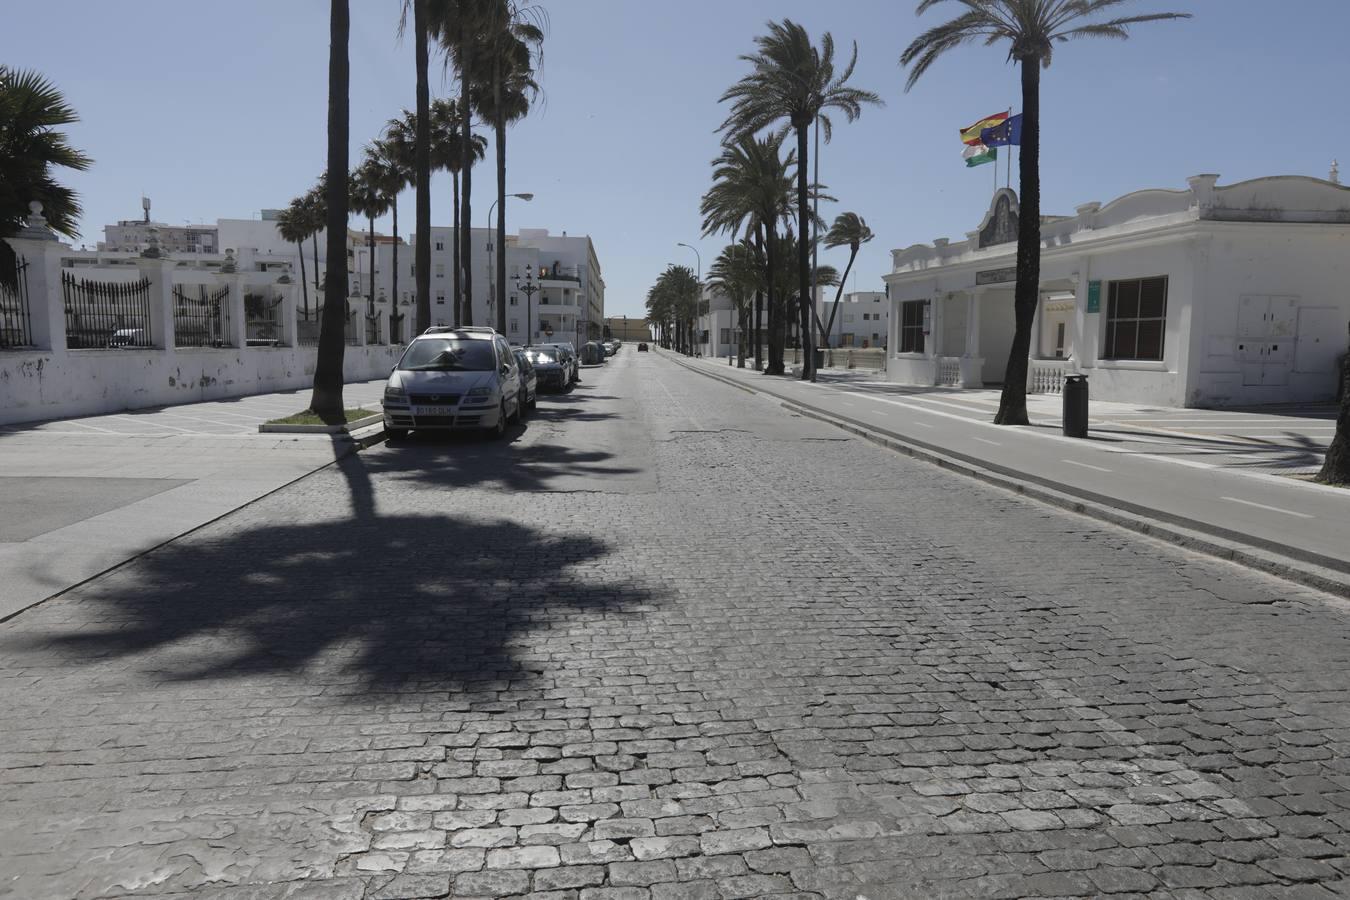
717,332
1211,296
862,319
134,236
568,303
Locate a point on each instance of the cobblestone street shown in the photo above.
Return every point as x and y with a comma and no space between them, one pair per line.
671,641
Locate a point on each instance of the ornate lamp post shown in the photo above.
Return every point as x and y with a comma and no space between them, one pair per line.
527,287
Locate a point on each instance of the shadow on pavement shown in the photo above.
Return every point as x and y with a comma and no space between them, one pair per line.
455,461
354,603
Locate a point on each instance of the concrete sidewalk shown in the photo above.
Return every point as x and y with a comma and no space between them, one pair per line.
81,496
1193,476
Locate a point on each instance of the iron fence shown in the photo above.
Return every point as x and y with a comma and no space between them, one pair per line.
16,325
202,320
373,330
307,330
262,321
106,315
349,329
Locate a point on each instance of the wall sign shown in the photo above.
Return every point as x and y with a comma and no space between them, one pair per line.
1094,304
996,276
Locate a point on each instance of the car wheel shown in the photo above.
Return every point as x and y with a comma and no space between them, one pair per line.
496,431
395,434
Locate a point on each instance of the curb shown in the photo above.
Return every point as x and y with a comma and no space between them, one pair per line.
1186,534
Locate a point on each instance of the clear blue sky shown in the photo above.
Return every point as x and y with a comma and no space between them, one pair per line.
219,111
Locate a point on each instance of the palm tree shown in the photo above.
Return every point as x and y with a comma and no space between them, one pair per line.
752,190
315,206
366,195
327,398
1031,28
393,170
31,109
503,98
1336,466
447,154
31,112
293,224
848,228
790,79
424,21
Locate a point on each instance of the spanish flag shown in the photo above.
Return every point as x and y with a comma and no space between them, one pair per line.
971,135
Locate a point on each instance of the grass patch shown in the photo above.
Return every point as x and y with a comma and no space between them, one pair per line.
310,417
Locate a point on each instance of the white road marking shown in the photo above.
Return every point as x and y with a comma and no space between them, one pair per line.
987,441
922,424
1084,465
1287,512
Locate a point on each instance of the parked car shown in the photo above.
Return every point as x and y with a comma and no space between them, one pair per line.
128,337
453,379
568,354
549,369
610,349
529,381
592,354
642,348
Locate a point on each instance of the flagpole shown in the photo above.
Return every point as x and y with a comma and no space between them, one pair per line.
1008,183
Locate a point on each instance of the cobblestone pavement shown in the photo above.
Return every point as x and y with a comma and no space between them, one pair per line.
671,642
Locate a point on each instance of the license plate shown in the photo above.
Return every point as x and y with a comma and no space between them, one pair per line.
433,410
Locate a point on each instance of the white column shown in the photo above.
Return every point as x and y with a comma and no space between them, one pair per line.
237,317
358,314
159,272
973,323
1078,324
287,314
46,304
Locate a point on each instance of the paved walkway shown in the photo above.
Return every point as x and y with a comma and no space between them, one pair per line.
667,641
1150,462
82,495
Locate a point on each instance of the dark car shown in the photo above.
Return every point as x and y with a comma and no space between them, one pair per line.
529,381
550,371
642,348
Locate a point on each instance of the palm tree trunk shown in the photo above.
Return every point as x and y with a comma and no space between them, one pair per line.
804,258
422,165
1336,467
314,241
327,398
500,293
454,244
777,333
304,278
370,305
466,204
839,294
1012,405
742,314
395,319
759,311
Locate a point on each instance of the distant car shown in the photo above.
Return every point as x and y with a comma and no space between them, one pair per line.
642,348
529,381
549,369
128,337
568,354
609,348
453,379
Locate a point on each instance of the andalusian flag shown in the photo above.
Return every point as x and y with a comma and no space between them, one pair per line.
978,155
971,135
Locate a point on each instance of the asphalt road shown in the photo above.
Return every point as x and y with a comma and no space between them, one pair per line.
670,640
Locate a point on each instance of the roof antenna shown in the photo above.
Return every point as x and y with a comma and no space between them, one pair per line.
1335,176
145,205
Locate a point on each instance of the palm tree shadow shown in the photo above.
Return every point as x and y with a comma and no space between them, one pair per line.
364,604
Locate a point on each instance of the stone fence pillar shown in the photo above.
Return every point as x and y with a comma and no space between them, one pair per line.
37,246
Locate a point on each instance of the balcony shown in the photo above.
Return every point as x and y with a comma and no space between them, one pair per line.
558,274
554,310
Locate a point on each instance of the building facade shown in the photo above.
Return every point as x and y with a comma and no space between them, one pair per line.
1210,296
862,320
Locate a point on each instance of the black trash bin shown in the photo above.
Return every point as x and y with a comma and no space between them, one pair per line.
819,358
1075,406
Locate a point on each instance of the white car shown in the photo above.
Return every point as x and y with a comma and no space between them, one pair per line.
453,379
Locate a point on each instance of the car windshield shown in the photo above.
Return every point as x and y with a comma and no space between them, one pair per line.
538,356
449,354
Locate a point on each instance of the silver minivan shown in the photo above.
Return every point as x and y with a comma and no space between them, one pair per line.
453,379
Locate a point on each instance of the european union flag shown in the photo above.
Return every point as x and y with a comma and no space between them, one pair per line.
1008,132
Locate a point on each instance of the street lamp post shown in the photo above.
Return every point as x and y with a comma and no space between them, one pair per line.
492,289
527,287
698,301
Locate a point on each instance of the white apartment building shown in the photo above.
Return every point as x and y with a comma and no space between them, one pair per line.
862,319
567,304
136,235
